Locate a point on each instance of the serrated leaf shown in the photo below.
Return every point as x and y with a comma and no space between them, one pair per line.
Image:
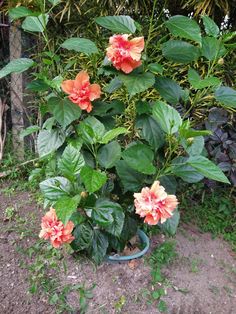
99,246
109,154
184,171
83,234
83,45
16,66
118,24
71,162
137,83
226,95
212,48
49,141
198,83
167,117
169,89
111,134
31,129
184,27
16,13
207,168
63,110
35,23
140,158
55,188
180,51
210,26
92,179
65,207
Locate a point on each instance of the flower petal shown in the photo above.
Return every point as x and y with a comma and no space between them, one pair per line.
95,91
136,47
67,86
81,78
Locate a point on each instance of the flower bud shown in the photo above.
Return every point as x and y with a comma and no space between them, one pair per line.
221,61
83,194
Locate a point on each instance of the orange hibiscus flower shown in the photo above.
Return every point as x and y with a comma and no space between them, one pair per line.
54,229
125,54
81,92
155,204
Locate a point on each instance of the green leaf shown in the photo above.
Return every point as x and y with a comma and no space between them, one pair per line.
114,84
169,183
130,179
197,83
63,110
169,89
212,48
71,162
16,66
195,146
83,45
155,68
31,129
97,128
171,224
35,23
104,109
137,83
168,118
140,157
184,27
38,86
117,24
226,96
180,51
49,141
92,179
103,217
118,221
150,131
207,168
193,133
109,154
83,234
99,246
65,207
54,2
187,173
110,135
210,26
19,12
55,188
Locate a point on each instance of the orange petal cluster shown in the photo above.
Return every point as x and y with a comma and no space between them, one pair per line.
155,204
125,54
55,230
81,92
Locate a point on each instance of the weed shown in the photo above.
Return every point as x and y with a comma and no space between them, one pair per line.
9,213
195,265
120,304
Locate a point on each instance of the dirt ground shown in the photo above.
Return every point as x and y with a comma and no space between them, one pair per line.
201,280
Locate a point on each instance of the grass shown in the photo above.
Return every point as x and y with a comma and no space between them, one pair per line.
213,212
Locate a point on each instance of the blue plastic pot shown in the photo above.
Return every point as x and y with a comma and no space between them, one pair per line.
117,258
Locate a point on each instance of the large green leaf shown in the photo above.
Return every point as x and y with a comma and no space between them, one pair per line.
130,179
38,86
117,24
197,83
180,51
65,207
226,96
83,45
63,110
102,216
171,224
212,48
169,89
55,188
109,154
114,84
150,131
99,246
31,129
35,23
140,158
195,146
182,170
18,12
118,221
210,26
83,234
207,168
97,128
169,183
167,117
16,66
137,82
92,179
49,141
184,27
110,135
71,162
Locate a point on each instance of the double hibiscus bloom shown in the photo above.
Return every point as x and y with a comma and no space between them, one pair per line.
124,54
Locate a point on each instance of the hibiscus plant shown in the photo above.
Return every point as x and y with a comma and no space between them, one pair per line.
116,152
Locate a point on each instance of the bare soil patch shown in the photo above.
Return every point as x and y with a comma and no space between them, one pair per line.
201,280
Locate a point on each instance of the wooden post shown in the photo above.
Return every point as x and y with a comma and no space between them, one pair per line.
16,89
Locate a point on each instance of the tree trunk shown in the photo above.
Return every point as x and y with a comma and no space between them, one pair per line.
17,112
